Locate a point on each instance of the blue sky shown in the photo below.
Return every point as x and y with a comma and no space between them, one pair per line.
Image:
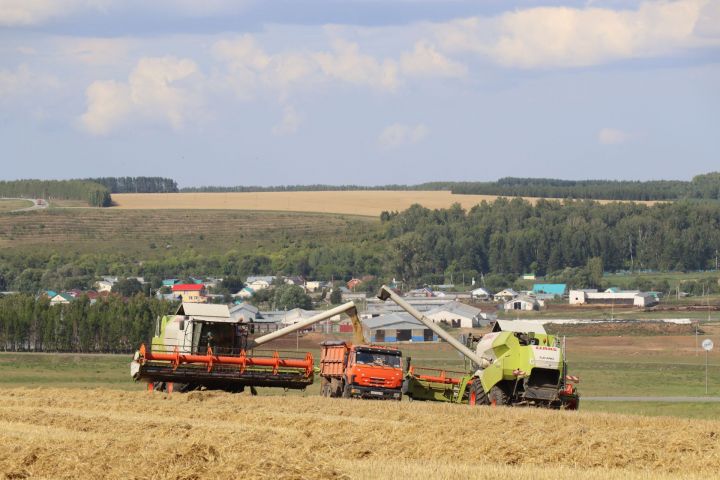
366,91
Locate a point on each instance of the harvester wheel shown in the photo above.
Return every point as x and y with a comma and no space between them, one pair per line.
497,396
477,395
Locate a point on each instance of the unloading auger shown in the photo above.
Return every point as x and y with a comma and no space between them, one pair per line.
511,367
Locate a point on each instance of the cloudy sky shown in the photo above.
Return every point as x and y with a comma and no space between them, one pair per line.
244,92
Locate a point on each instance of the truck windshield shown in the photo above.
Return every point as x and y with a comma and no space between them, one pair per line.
381,359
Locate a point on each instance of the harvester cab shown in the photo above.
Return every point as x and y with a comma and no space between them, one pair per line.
518,363
204,346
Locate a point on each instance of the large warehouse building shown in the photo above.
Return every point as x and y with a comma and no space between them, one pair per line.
397,327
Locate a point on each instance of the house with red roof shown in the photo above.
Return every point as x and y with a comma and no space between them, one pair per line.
190,292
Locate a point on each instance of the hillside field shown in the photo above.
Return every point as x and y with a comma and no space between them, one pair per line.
154,231
361,202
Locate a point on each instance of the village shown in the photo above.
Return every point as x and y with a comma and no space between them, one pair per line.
384,321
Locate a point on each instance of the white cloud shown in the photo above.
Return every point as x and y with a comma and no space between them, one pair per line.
290,122
613,136
251,68
426,60
159,89
398,134
34,12
22,81
572,37
347,64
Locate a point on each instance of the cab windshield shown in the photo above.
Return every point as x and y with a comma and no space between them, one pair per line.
379,359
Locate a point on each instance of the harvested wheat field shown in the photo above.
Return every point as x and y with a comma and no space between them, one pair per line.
355,202
57,433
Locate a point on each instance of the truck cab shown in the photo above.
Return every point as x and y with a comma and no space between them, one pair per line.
360,371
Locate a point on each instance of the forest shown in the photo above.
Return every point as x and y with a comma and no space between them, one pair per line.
94,194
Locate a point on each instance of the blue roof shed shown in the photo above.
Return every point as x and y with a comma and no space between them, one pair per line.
550,288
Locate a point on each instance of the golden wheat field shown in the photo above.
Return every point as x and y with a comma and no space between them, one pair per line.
360,202
99,433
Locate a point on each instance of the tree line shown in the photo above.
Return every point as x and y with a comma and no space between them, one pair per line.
137,184
110,325
705,186
700,187
318,187
95,194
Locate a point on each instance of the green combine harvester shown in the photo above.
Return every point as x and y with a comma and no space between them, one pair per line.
515,364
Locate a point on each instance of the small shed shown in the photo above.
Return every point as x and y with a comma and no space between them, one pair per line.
506,294
456,315
522,302
481,294
244,312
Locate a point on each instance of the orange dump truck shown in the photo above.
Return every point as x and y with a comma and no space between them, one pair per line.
361,371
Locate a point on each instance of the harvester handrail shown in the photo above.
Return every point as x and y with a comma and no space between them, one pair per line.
441,370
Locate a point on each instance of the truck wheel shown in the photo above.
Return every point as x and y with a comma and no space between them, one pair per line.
498,396
346,391
335,388
324,388
477,395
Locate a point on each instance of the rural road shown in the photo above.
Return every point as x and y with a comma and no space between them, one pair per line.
653,399
38,204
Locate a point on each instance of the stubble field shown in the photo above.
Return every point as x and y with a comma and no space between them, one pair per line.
80,416
51,433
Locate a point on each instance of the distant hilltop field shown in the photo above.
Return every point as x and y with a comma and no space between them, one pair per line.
357,202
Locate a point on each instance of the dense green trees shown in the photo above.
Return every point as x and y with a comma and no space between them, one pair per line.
513,236
287,297
702,186
137,184
108,325
95,194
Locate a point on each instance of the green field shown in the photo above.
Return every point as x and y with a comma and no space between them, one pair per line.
10,205
154,233
622,375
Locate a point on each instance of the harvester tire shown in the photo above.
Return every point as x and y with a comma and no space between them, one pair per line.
498,396
477,395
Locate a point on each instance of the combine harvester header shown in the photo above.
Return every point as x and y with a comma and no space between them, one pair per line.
214,352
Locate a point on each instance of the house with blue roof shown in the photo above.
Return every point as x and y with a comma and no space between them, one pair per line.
549,290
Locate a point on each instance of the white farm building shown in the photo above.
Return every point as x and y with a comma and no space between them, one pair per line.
627,297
